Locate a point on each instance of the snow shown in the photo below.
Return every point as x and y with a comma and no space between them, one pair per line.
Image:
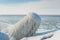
56,36
32,38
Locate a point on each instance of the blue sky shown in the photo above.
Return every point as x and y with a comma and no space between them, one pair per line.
15,1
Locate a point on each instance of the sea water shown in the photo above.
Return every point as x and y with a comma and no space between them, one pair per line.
48,22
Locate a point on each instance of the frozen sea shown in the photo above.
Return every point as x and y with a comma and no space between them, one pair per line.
48,22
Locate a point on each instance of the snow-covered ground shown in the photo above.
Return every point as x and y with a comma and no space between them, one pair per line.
56,36
50,36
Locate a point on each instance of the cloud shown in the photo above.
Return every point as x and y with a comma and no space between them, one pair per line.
43,7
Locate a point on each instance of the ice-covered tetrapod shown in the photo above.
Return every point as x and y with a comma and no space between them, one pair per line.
25,27
4,36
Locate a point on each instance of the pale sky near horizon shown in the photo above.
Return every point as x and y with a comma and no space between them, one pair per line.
42,7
